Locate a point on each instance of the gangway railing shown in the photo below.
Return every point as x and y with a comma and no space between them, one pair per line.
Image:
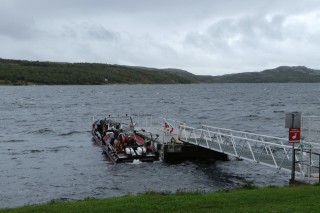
171,130
310,130
266,150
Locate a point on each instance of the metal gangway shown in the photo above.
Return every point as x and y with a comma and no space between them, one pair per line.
266,150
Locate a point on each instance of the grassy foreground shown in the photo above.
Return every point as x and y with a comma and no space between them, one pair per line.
250,199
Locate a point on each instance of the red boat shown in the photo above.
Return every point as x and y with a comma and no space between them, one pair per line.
122,143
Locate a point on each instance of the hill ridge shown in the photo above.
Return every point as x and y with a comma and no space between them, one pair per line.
23,72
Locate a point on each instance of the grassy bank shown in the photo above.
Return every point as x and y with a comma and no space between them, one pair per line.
271,199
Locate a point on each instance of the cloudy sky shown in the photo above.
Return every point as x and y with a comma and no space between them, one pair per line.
212,37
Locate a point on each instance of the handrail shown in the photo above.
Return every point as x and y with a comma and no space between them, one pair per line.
267,150
247,133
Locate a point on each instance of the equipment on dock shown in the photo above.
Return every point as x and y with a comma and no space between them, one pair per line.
122,143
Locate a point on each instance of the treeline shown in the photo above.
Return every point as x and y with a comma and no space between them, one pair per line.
52,73
282,74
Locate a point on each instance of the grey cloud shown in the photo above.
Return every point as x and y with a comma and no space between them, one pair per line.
255,41
225,32
199,36
17,28
86,31
100,33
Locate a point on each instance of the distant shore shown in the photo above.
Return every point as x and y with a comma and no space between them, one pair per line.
19,72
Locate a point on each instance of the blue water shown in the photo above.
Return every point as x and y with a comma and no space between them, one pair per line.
46,150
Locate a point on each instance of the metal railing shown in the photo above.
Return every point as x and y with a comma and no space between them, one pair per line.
267,150
311,130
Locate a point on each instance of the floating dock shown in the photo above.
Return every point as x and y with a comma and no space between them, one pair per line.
179,150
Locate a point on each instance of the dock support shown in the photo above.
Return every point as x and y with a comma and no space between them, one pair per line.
293,168
173,152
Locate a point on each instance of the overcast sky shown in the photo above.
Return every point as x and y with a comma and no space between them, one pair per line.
212,37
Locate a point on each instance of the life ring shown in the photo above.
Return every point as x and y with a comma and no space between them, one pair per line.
165,126
168,127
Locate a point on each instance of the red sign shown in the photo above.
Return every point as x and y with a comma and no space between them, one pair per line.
294,135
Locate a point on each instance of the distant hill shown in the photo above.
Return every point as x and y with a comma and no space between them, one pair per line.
21,72
282,74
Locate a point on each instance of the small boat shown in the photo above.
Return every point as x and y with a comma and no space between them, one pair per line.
122,143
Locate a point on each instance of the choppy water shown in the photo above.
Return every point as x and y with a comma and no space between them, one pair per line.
46,150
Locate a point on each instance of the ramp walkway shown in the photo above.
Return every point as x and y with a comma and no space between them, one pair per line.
270,151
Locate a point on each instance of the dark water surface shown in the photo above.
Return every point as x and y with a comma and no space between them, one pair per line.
46,150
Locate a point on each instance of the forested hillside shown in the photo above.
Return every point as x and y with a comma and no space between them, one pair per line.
52,73
282,74
20,72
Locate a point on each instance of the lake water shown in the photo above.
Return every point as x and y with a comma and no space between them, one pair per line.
46,150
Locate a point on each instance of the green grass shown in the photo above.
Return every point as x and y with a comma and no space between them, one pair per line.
246,199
